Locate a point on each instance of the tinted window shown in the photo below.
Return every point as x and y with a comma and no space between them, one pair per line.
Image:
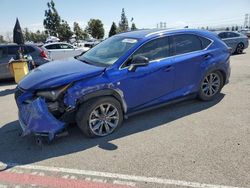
3,52
66,46
153,50
205,42
29,49
222,35
186,43
12,50
53,46
232,35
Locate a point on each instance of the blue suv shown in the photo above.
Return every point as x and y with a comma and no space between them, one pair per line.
124,75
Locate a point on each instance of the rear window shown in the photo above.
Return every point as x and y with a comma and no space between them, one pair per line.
186,43
29,49
12,50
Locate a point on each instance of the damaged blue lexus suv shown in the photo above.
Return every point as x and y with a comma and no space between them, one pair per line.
126,74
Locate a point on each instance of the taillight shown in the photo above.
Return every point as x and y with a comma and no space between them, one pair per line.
43,54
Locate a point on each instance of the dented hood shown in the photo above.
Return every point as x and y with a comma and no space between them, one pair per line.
57,73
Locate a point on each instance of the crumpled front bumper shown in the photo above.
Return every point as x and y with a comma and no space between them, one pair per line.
34,117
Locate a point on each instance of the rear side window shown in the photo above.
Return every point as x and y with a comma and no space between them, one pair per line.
156,49
185,43
3,52
205,42
232,35
12,50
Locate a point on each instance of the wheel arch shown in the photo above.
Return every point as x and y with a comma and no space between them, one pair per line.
117,94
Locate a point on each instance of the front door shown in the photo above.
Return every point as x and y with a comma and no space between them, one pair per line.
148,85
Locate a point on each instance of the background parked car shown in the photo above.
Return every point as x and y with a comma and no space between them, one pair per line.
237,41
246,32
8,51
60,50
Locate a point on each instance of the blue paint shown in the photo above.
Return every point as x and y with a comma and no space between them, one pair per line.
146,87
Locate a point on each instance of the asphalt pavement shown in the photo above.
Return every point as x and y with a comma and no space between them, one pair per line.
189,144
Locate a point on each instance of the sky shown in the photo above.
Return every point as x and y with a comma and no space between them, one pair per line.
146,13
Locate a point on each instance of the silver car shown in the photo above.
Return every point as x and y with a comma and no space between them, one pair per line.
237,41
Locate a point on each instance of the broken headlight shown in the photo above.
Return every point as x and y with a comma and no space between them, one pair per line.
52,95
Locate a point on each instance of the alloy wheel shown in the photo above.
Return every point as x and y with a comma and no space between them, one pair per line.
211,84
240,48
104,119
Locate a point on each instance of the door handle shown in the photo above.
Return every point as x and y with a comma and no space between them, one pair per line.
168,68
207,56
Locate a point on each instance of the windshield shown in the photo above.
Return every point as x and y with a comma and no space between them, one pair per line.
109,51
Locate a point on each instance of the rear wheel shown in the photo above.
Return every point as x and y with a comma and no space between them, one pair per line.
99,117
240,48
211,86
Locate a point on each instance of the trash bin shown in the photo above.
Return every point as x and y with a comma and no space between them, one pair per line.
19,68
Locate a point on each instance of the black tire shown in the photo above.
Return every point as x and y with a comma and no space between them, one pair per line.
206,96
239,48
87,109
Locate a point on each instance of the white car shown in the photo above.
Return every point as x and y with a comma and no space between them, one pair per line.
60,50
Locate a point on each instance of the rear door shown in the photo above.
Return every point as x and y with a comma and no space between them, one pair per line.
189,54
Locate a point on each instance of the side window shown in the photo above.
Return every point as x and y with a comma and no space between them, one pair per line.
53,47
232,35
205,42
222,35
65,46
3,52
153,50
186,43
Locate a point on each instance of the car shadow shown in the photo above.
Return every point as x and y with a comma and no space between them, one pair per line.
9,83
7,92
15,149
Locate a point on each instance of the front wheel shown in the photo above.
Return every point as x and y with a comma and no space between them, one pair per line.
211,86
99,117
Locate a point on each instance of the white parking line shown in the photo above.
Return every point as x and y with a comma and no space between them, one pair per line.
119,176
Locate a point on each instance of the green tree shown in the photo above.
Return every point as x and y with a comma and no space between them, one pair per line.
227,28
95,28
79,33
123,24
233,28
64,32
133,27
52,19
113,29
38,36
236,28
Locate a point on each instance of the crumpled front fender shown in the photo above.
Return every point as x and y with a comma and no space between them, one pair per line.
36,118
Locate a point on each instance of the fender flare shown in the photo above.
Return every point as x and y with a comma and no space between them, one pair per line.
117,94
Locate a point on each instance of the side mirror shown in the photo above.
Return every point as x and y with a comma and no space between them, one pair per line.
138,61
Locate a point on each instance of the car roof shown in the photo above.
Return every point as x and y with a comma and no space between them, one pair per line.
150,33
51,43
14,44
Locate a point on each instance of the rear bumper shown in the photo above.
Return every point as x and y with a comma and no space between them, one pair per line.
35,118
